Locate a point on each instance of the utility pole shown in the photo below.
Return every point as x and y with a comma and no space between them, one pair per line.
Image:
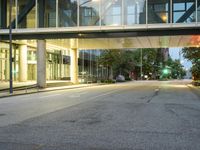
179,74
10,44
141,63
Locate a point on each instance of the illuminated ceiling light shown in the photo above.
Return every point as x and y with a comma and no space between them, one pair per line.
164,18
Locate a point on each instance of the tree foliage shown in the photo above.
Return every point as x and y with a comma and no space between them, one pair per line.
193,54
176,68
124,61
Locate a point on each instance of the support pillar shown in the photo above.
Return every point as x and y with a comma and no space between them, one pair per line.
41,63
74,66
23,63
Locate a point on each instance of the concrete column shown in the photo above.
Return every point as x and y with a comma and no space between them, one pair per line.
74,66
41,63
23,63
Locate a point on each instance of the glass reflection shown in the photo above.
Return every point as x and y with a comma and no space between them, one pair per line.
111,12
50,13
158,11
13,16
184,11
198,11
89,12
26,19
46,13
3,14
134,12
67,13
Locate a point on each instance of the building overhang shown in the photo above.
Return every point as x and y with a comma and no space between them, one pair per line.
114,37
103,32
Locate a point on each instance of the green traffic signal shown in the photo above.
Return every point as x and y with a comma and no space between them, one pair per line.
165,71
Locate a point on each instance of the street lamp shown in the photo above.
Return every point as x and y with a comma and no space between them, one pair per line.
141,57
10,45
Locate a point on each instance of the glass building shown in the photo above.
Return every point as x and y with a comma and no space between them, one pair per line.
73,13
57,63
52,19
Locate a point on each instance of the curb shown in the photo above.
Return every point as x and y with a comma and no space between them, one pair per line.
194,89
48,90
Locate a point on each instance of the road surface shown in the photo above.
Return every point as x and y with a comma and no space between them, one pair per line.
148,115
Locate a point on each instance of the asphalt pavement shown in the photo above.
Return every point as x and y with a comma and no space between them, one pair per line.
138,115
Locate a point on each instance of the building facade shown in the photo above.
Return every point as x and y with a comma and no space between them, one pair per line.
58,39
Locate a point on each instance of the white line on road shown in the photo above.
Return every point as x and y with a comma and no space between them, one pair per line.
50,95
103,94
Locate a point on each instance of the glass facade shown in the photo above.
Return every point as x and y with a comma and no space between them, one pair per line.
134,12
198,10
89,69
158,11
4,62
184,11
111,12
57,63
27,20
73,13
89,13
13,16
46,13
67,13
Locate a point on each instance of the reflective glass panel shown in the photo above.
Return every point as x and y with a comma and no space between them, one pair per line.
198,11
26,14
67,13
46,13
184,11
134,12
158,11
89,12
111,12
13,14
3,14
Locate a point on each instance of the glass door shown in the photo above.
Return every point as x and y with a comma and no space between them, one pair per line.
53,70
4,65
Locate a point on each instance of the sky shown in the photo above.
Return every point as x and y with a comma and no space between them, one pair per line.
174,53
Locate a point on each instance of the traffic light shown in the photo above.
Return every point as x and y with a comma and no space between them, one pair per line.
165,71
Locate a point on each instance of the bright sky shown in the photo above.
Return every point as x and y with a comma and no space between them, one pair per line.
174,53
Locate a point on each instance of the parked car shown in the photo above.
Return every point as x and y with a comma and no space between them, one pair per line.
120,78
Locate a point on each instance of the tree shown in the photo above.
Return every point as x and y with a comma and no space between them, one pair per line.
120,61
193,54
125,61
176,69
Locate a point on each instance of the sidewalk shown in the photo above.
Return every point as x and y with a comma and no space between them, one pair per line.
50,87
194,89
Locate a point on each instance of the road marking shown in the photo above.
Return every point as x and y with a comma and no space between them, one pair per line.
74,96
77,94
103,94
50,95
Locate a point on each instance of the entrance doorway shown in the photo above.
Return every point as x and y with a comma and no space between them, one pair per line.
54,66
4,65
32,72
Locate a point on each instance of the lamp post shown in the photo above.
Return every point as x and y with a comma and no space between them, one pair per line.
10,45
141,64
